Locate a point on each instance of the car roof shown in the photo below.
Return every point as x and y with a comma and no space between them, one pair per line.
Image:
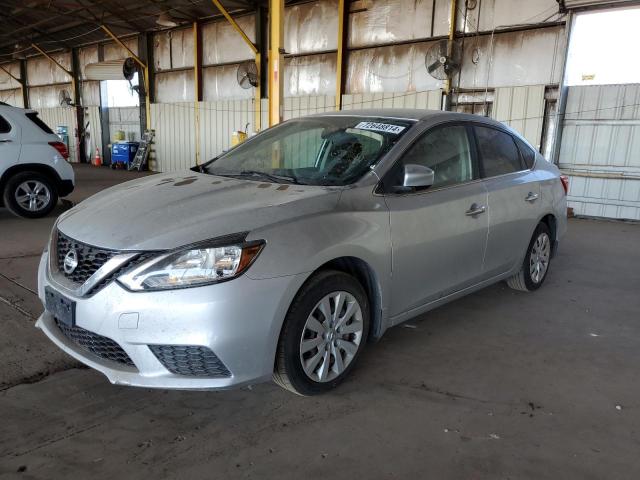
417,114
5,108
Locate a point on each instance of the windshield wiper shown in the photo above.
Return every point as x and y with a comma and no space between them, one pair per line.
268,176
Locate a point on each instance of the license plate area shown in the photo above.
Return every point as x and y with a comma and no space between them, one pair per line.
62,308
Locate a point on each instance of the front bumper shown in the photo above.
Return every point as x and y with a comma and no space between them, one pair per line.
238,320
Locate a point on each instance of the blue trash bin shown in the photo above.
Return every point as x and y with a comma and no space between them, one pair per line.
123,152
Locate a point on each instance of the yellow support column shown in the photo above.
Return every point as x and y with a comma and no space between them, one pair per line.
276,61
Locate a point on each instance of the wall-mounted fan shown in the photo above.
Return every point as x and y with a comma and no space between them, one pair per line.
64,98
247,74
439,63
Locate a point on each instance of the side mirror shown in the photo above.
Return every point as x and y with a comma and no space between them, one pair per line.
417,176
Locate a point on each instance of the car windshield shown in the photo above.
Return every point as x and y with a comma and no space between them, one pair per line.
325,150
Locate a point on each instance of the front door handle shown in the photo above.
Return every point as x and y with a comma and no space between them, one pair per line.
475,209
531,197
5,141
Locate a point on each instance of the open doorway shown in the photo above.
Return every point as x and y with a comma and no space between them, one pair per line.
602,47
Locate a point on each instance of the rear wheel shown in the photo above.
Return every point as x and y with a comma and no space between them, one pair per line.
30,194
536,262
323,334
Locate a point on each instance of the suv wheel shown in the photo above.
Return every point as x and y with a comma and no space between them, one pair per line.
536,262
30,194
323,334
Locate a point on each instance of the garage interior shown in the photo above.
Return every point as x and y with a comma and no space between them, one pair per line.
499,384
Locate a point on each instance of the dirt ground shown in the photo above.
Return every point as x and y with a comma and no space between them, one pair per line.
497,385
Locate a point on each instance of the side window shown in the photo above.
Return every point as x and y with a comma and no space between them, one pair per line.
528,154
498,152
446,151
4,125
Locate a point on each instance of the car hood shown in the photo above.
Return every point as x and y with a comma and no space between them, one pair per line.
170,210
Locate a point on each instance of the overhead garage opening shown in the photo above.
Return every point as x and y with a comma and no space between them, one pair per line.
602,47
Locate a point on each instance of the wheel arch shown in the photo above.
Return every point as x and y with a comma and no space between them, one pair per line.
40,168
367,277
552,223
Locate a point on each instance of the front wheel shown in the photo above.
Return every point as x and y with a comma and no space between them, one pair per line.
323,334
30,195
536,262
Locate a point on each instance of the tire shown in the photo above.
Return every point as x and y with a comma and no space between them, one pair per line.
537,261
322,369
17,188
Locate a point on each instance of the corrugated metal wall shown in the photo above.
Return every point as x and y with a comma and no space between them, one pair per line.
126,119
174,123
65,116
600,150
522,108
94,137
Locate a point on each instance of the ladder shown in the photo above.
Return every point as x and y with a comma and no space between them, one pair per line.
139,162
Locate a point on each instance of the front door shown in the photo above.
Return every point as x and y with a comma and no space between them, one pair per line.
438,234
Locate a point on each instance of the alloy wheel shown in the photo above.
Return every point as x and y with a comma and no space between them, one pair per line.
539,258
32,195
331,336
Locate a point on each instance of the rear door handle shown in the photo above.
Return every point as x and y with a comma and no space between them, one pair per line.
5,141
531,197
475,209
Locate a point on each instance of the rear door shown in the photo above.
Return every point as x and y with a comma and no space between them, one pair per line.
9,143
438,234
514,194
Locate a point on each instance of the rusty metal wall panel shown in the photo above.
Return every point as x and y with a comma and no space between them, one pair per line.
6,82
126,119
42,71
173,49
503,13
90,93
522,108
113,51
529,57
47,96
398,68
222,44
221,83
311,27
63,116
600,150
377,22
431,100
94,136
87,55
12,97
174,87
310,75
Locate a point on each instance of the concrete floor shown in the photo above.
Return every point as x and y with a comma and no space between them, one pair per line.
499,384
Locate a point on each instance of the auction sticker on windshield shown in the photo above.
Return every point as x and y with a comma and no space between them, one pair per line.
380,127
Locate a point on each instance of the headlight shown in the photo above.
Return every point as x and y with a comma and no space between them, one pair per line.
192,267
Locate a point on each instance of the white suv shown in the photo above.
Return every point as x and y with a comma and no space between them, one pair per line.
33,164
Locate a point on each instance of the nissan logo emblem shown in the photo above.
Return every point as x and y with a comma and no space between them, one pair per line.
70,261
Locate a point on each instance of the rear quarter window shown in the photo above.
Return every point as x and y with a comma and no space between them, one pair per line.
33,116
498,152
5,127
528,154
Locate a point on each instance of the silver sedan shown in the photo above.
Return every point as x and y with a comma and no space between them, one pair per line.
283,257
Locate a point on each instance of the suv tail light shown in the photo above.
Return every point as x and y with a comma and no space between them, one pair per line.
61,148
565,183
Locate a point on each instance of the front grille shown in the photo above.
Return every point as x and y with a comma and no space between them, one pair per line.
190,360
90,258
98,345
